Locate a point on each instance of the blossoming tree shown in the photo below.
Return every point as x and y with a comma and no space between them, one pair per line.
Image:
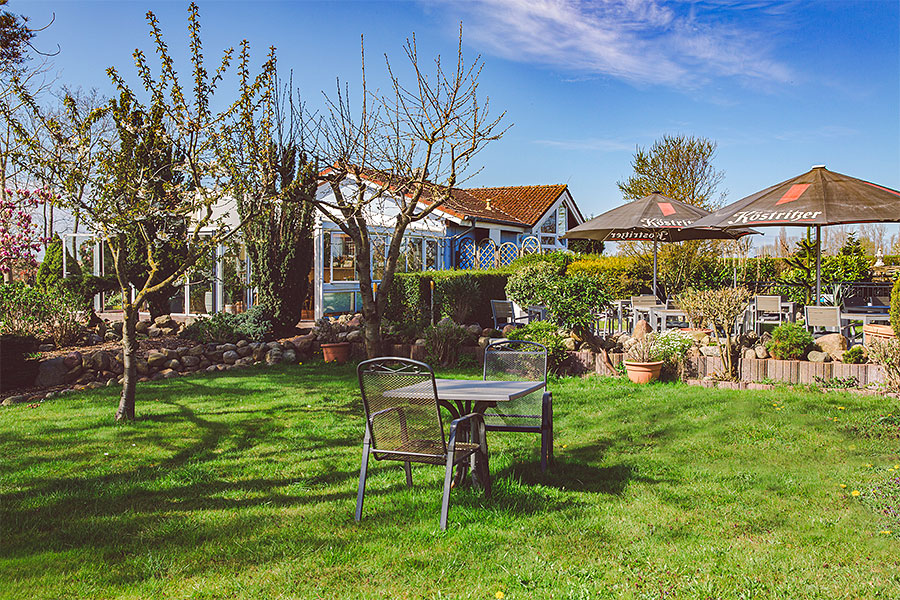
19,234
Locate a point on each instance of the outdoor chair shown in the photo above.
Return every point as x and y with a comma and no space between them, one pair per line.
827,318
766,309
515,360
505,314
403,423
644,301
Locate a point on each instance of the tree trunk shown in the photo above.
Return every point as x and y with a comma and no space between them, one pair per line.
372,334
129,359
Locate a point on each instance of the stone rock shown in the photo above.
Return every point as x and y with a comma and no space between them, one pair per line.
204,364
21,399
289,357
355,336
116,367
142,367
817,357
483,341
196,351
93,338
142,327
51,372
446,321
182,350
259,353
226,347
230,356
274,346
156,359
165,321
421,342
242,343
749,353
173,364
761,351
641,328
111,336
46,348
100,360
356,321
245,351
72,359
474,330
168,373
709,350
508,329
342,336
244,362
154,332
212,368
832,343
214,356
569,343
274,356
117,327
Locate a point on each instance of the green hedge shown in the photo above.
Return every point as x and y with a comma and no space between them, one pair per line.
459,294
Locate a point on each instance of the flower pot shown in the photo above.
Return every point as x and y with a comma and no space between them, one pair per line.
640,372
881,332
338,352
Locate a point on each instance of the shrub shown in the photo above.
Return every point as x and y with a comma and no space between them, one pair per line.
672,346
574,301
533,284
895,307
718,310
412,301
694,307
442,342
790,341
30,311
555,260
64,312
854,356
620,276
886,352
546,333
643,350
460,295
253,325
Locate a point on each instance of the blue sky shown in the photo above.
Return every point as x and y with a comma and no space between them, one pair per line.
781,86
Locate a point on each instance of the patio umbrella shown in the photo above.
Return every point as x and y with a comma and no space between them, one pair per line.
816,198
654,217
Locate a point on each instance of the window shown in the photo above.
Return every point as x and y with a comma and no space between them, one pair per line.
343,258
561,224
548,240
549,226
414,255
431,254
379,257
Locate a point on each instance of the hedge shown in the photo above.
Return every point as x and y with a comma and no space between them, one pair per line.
464,295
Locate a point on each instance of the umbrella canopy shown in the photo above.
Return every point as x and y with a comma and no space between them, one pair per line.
816,198
654,217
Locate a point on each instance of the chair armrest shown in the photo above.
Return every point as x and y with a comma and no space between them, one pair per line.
478,418
387,410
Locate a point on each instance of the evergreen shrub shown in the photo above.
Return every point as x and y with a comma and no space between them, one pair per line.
790,341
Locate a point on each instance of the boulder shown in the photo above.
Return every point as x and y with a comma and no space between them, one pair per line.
749,353
72,360
641,328
190,361
474,330
230,356
355,336
446,321
817,357
168,373
51,372
142,327
245,351
100,360
289,357
709,350
761,351
204,364
421,342
155,331
165,321
483,341
242,343
195,351
274,356
508,329
182,350
259,353
274,346
355,321
244,362
570,344
173,364
142,367
156,359
46,348
21,399
226,347
832,343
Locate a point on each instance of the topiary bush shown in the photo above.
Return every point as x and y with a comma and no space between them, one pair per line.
790,341
574,301
546,333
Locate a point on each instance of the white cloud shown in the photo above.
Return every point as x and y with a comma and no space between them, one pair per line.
639,41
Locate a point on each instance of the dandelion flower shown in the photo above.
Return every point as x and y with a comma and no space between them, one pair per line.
840,408
886,531
854,493
869,465
565,445
843,485
499,595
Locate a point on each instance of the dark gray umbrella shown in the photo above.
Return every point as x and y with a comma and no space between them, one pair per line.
816,198
654,217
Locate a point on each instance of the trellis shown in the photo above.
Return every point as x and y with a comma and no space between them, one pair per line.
487,254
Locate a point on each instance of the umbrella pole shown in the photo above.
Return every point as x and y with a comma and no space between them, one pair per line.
654,265
818,265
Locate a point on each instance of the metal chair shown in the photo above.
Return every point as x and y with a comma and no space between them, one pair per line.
403,422
827,318
505,314
516,360
766,309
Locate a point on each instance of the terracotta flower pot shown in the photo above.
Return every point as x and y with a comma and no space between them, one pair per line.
338,352
640,372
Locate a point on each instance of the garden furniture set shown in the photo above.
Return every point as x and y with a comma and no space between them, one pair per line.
402,401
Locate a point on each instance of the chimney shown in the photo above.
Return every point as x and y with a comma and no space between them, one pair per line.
488,203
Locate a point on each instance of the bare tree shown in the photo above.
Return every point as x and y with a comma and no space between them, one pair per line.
409,147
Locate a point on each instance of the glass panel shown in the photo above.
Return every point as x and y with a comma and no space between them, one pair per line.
547,240
234,266
202,291
414,255
549,226
561,220
326,253
337,302
343,258
176,302
431,254
379,257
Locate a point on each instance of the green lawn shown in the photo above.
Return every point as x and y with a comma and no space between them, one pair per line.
242,485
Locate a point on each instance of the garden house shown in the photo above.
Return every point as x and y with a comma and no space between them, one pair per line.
477,228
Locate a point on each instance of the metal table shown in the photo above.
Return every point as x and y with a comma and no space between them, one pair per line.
865,318
463,396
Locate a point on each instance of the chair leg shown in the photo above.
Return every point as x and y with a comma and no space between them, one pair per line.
408,469
445,500
362,475
546,430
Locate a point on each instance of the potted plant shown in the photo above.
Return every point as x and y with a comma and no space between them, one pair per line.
333,350
642,360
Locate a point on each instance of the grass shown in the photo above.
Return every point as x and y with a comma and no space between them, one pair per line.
242,485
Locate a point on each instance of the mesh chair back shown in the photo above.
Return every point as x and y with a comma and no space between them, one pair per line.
516,360
400,399
768,304
828,317
502,309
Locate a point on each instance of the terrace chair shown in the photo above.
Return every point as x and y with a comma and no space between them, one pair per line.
403,423
505,314
643,301
766,309
515,360
827,318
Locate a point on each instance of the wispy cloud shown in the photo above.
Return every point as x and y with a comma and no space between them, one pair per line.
639,41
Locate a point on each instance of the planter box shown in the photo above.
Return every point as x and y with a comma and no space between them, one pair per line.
809,371
754,369
600,367
861,372
580,362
